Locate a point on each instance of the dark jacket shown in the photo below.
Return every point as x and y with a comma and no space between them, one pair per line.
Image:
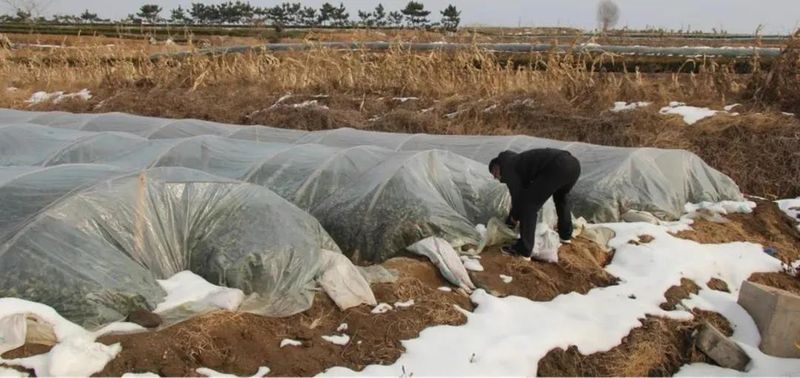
519,170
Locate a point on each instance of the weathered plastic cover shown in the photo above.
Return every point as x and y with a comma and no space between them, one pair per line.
613,179
374,201
91,240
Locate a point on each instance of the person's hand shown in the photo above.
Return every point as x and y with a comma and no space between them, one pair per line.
511,222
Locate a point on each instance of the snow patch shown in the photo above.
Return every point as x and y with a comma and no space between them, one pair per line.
290,342
405,304
690,114
337,339
472,264
140,375
56,97
262,371
622,106
791,207
187,288
730,107
342,327
382,308
309,104
500,339
724,207
445,289
405,99
506,279
11,373
75,354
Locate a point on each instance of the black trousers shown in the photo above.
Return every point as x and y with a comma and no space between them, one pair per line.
556,180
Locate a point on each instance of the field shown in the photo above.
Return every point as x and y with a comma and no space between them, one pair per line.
571,96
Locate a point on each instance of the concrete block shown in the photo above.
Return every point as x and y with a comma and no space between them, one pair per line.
777,315
724,351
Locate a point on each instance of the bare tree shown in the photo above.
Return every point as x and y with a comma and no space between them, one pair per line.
30,7
607,14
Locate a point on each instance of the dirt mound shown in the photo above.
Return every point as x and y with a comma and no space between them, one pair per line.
767,225
676,294
579,269
658,348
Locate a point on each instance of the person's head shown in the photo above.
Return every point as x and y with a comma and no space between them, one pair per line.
494,168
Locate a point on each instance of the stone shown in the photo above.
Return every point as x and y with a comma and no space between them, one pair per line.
144,318
724,351
776,313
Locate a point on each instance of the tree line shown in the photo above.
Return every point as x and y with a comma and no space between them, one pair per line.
282,15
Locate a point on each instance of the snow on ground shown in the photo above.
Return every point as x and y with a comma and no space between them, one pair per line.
724,207
445,289
508,336
405,99
187,287
57,97
506,279
622,106
382,308
405,304
262,371
140,375
745,334
791,207
337,339
730,107
472,264
76,353
690,114
290,342
342,327
310,104
11,373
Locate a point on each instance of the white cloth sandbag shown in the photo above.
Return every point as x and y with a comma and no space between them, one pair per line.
444,257
13,329
545,248
343,282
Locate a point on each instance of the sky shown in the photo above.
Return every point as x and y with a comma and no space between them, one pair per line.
734,16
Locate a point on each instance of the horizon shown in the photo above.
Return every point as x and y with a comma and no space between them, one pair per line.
732,16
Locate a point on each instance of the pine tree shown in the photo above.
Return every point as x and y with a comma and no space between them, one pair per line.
380,16
415,14
451,17
149,13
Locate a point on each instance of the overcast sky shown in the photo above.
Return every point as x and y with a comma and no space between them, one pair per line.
737,16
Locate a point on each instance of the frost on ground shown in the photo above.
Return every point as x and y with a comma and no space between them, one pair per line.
500,337
56,97
690,114
290,342
622,106
206,372
337,339
405,304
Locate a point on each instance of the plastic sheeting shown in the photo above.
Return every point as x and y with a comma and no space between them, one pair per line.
91,241
374,201
613,181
